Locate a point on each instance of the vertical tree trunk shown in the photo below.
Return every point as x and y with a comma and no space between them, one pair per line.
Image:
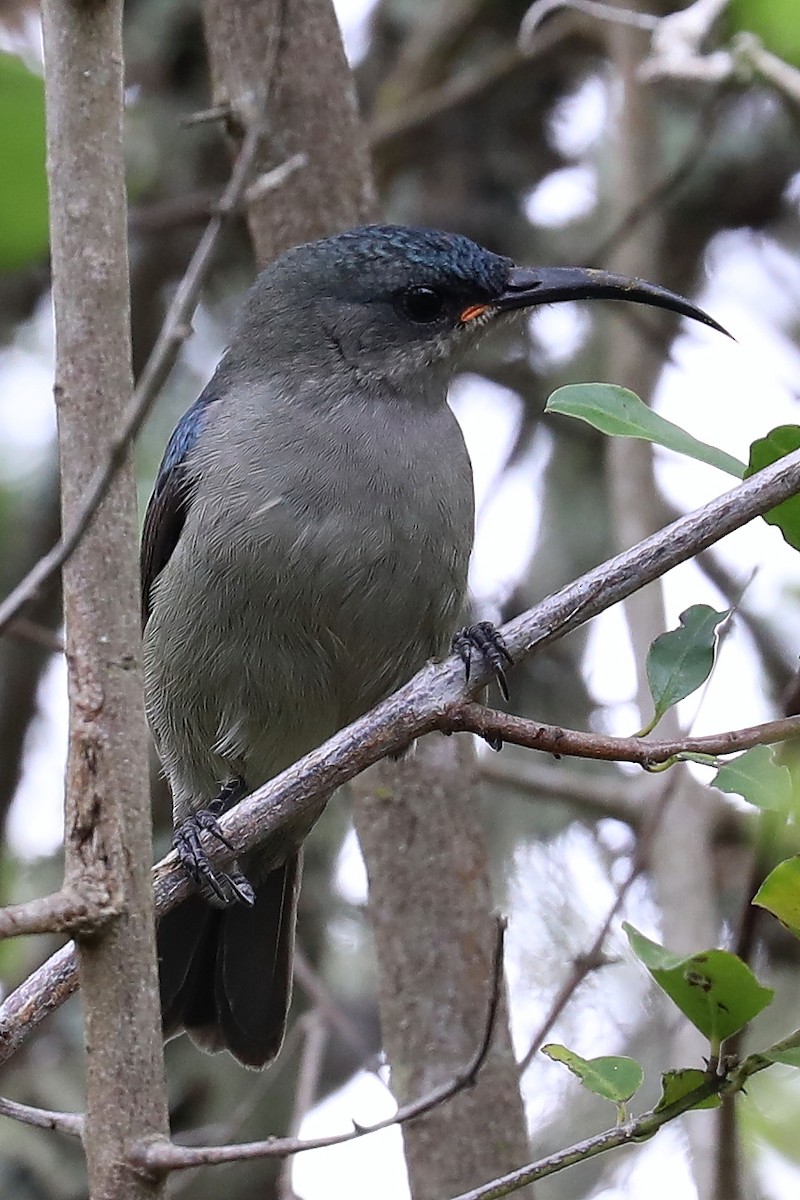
108,843
283,62
430,906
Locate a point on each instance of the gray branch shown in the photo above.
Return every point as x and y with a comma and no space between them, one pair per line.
418,707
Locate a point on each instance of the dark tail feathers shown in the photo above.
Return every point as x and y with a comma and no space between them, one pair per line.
226,974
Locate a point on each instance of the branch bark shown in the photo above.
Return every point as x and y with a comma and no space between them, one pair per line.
107,819
433,936
314,113
286,60
416,708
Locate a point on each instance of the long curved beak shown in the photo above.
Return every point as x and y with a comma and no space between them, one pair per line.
527,286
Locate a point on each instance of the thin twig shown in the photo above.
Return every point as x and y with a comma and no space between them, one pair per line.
326,1005
593,958
38,635
612,13
466,716
419,707
162,1157
315,1039
173,333
68,910
43,1118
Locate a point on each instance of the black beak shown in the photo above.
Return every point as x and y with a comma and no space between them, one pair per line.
527,286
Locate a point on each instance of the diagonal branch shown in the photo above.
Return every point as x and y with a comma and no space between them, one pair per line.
174,332
419,707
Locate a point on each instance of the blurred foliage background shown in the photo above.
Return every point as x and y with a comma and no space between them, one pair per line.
549,149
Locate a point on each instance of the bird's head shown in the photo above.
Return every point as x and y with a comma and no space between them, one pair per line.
390,301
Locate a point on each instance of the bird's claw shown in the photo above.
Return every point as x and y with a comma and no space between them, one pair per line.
487,641
220,888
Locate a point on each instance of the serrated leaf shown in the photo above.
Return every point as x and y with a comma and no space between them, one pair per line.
617,411
757,778
677,1084
714,989
613,1078
778,442
780,894
680,661
23,185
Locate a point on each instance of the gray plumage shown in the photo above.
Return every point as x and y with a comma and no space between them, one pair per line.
304,553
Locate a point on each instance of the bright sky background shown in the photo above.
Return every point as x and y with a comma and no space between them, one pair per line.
723,392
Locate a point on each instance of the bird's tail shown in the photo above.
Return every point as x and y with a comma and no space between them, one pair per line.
226,974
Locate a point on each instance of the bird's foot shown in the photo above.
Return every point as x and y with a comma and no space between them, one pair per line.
220,888
487,641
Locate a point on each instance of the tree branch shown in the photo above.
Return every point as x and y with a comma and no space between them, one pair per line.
159,1157
174,332
108,842
68,1123
489,723
419,706
593,958
79,908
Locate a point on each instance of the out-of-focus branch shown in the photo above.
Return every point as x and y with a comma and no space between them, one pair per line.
174,331
419,707
315,1036
25,656
166,1156
68,1123
288,60
593,958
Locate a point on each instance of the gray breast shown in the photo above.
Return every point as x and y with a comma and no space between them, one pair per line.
323,561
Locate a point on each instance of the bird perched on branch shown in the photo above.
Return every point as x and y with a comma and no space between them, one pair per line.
304,553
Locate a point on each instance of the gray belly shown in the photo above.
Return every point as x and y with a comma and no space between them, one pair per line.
288,621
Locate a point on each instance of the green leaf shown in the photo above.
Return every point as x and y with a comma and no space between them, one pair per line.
780,894
714,989
761,781
779,442
23,185
788,1055
677,1084
619,412
679,661
776,23
612,1078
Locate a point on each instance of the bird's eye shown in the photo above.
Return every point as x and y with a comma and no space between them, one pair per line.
422,304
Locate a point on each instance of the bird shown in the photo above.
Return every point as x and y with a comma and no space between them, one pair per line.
304,553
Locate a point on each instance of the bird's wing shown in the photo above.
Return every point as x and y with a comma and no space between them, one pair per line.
172,496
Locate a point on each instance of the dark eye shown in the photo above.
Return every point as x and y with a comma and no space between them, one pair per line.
422,304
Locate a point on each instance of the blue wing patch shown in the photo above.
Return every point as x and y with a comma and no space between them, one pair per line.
171,499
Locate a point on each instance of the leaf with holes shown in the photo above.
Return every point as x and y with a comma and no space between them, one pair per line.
617,411
677,1084
714,989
